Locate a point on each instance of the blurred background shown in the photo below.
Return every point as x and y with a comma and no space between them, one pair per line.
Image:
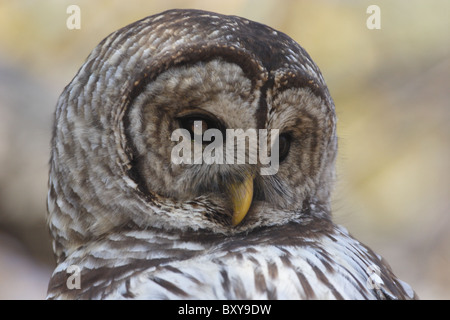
392,95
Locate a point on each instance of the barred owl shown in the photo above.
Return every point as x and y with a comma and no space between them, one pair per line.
138,224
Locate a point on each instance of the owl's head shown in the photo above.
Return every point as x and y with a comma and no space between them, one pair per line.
143,131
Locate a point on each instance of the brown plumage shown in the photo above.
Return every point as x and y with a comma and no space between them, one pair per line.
139,225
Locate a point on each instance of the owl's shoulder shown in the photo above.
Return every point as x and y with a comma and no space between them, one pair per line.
316,260
328,265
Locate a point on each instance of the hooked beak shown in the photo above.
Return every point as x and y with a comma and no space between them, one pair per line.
241,197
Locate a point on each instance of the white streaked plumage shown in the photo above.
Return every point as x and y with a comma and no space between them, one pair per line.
265,271
139,226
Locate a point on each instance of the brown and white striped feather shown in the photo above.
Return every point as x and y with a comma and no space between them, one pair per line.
315,260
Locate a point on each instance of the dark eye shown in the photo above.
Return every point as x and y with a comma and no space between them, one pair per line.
195,126
284,145
199,124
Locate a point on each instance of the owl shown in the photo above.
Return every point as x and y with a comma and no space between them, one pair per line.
192,157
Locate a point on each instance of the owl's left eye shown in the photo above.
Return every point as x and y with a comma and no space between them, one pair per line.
284,145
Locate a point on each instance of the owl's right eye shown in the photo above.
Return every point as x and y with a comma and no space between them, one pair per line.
195,124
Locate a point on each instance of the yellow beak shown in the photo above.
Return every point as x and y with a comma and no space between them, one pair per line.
241,197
